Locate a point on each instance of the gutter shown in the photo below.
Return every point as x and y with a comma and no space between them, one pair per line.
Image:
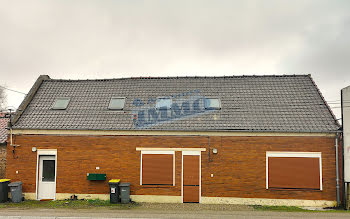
194,130
337,169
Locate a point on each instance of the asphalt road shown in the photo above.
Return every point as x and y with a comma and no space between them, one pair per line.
150,213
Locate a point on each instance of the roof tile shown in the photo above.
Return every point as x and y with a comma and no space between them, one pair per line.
256,103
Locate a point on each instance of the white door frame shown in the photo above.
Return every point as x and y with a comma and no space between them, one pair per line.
43,152
182,172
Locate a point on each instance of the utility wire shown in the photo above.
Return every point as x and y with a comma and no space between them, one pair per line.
329,102
12,90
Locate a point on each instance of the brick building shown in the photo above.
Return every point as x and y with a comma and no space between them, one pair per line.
240,139
3,142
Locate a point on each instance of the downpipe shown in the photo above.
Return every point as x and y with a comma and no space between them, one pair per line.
337,169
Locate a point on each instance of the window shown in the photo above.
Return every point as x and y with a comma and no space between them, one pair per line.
157,168
163,103
48,171
212,103
117,103
293,170
61,103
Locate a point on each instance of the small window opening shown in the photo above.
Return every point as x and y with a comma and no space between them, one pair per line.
212,103
163,103
117,103
61,103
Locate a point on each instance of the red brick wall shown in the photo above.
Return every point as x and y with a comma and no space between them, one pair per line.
2,160
238,168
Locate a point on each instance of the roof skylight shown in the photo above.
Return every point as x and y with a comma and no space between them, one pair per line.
116,103
212,103
61,103
163,103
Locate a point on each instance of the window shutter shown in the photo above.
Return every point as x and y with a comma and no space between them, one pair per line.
157,169
294,172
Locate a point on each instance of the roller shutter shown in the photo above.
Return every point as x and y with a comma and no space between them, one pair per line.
293,173
157,169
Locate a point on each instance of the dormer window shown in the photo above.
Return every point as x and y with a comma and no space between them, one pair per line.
116,103
61,103
212,103
163,103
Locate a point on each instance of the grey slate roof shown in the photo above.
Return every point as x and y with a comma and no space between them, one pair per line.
287,103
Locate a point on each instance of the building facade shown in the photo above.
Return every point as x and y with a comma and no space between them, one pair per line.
242,140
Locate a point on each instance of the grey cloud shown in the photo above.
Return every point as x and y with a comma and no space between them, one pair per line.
104,39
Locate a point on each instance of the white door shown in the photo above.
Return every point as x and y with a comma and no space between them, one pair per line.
47,177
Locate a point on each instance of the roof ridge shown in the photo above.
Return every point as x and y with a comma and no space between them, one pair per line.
181,77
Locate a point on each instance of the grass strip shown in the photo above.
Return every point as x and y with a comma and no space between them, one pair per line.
75,204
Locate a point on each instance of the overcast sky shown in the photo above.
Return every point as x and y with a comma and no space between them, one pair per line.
112,39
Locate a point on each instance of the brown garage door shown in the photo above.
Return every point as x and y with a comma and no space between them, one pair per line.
191,178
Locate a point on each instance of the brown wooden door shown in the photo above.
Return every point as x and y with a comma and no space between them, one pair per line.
191,178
